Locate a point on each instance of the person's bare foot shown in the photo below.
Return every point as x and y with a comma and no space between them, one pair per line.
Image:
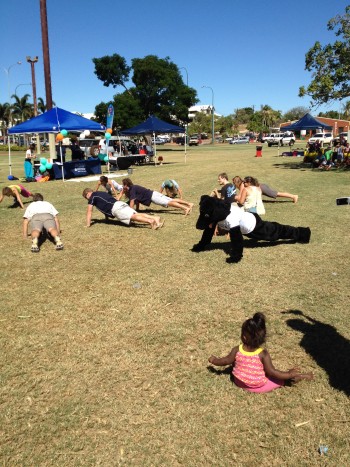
160,225
189,209
295,199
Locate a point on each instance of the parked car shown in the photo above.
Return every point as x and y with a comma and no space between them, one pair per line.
288,138
158,141
321,137
89,147
166,138
181,140
342,136
194,141
240,140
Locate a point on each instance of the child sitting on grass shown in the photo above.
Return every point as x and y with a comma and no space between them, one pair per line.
16,191
253,369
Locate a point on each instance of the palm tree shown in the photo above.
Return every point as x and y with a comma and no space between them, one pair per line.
42,106
346,110
21,108
4,116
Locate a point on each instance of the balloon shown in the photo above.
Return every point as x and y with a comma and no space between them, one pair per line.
42,168
109,130
87,132
105,158
49,165
59,137
82,136
43,161
64,132
107,135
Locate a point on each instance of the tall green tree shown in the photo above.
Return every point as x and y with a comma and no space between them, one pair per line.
5,110
158,89
330,114
224,125
295,113
330,64
201,123
21,108
112,70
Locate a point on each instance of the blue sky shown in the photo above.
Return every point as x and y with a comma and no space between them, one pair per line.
251,53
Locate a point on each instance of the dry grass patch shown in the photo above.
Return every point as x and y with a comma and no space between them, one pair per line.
105,344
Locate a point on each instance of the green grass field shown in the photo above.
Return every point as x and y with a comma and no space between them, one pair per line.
105,344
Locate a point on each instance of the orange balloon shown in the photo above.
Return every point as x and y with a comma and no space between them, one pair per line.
109,130
59,137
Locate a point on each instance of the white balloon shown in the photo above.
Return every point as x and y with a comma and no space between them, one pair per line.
87,132
82,135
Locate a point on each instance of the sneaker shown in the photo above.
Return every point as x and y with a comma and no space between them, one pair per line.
35,249
59,246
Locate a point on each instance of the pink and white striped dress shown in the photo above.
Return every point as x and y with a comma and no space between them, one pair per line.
249,368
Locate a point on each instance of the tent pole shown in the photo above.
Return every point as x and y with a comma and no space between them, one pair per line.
185,143
10,165
155,149
62,161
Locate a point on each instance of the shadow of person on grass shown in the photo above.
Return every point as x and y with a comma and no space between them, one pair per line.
329,349
222,371
248,243
114,222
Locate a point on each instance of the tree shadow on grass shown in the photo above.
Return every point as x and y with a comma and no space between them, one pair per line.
329,349
289,165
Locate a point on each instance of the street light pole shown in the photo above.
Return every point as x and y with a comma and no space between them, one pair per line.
22,84
7,70
212,113
32,62
186,124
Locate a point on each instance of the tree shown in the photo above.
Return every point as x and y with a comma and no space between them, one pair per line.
200,124
21,108
330,64
243,115
295,113
224,125
4,116
112,70
158,90
330,114
346,110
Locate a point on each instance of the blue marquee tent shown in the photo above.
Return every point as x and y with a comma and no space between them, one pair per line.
55,120
307,122
153,125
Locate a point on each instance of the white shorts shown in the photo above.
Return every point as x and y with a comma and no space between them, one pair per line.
123,212
162,200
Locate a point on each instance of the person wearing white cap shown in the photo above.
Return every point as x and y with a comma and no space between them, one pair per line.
238,223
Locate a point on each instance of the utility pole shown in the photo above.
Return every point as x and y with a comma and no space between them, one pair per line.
46,53
32,62
47,70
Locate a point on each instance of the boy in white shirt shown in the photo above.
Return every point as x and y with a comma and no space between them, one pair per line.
41,215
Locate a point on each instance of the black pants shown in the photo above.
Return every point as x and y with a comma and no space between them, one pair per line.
264,230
